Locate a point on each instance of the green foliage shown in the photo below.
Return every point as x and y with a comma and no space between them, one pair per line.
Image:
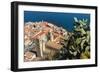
77,45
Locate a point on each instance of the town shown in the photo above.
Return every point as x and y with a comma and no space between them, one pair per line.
42,40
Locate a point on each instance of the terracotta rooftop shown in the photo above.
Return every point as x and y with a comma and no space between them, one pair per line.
53,45
36,36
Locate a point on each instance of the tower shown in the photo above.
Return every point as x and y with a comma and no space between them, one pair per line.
51,35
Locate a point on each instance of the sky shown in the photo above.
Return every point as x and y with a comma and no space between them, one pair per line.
64,20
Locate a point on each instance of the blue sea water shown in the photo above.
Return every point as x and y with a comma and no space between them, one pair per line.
64,20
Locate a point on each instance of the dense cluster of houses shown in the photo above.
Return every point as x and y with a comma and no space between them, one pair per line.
40,39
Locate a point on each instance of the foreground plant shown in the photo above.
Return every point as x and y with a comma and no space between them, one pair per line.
77,45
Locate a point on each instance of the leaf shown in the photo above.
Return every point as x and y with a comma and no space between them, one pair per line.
86,21
75,53
82,43
87,53
78,40
83,56
75,19
87,48
70,52
74,26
